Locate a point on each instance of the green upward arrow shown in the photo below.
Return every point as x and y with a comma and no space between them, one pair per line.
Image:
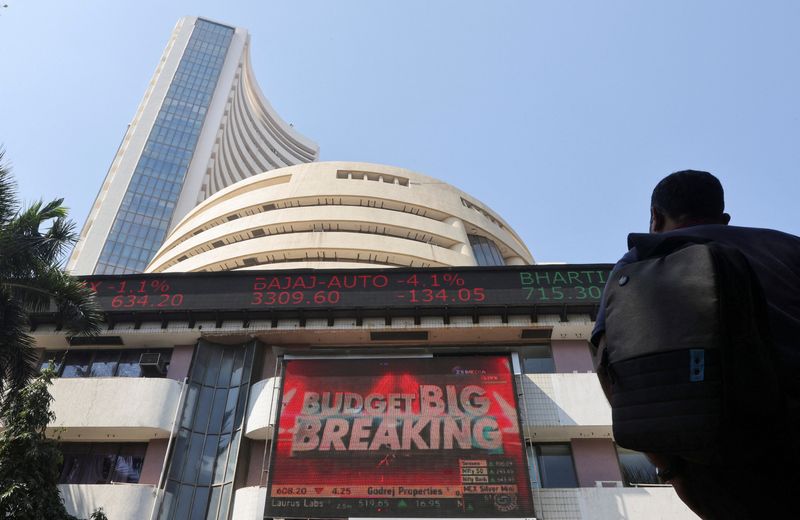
402,503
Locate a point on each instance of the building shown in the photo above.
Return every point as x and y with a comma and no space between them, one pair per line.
339,215
175,403
321,340
441,373
202,125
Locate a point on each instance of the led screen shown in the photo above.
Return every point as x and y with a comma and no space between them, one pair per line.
422,437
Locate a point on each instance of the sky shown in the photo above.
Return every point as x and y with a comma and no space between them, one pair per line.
561,115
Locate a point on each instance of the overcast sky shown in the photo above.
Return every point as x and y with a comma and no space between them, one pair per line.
560,115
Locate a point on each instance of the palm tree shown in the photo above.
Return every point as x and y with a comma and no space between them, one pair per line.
33,242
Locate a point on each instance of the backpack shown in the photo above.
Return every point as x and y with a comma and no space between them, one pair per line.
687,362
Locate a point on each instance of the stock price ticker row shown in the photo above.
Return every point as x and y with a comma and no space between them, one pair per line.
452,287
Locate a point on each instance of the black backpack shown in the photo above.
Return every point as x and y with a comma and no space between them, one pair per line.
687,364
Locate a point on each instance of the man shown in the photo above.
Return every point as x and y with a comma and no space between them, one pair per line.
691,203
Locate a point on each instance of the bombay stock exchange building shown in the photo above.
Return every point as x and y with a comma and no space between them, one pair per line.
202,125
321,340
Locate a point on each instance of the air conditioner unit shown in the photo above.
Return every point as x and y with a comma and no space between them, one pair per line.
152,364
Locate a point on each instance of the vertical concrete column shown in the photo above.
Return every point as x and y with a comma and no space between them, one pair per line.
268,366
255,461
595,459
460,233
572,356
180,362
153,461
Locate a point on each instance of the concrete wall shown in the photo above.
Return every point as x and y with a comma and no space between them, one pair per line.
595,460
572,356
610,504
119,501
153,461
248,503
180,362
261,408
560,407
255,462
114,408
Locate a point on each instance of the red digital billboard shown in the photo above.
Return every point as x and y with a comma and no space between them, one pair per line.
421,437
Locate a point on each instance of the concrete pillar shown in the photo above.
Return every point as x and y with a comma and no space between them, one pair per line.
180,362
463,246
255,462
153,461
572,356
595,459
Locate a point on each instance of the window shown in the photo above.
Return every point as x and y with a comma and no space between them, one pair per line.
556,467
102,462
102,363
537,359
76,364
636,468
486,251
200,475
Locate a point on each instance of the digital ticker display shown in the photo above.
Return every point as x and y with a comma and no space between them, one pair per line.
423,437
332,289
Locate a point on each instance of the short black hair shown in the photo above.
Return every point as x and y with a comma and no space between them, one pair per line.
689,194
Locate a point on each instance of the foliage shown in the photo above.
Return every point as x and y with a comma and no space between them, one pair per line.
98,514
32,242
29,461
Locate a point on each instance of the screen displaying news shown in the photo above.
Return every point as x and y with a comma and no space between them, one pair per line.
422,437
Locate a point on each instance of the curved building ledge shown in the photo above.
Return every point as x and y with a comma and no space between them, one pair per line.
249,502
262,408
354,247
559,407
119,501
339,211
114,408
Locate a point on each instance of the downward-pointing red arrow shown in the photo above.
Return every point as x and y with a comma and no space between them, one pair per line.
318,490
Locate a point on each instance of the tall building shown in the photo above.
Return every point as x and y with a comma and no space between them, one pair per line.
202,125
323,340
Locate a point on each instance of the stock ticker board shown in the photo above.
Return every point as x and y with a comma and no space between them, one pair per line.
434,437
517,286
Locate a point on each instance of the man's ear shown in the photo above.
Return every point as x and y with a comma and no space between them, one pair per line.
725,219
657,220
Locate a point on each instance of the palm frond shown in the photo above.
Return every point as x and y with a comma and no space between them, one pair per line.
32,242
17,353
77,305
58,239
8,192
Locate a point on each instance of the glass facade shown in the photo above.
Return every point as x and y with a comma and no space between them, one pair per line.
200,482
142,221
102,363
101,462
486,251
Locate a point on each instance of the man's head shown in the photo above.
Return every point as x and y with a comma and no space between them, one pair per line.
687,198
